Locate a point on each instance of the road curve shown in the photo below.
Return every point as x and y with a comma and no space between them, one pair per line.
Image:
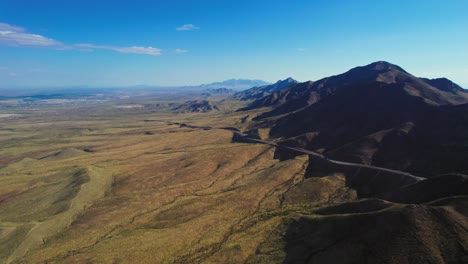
300,150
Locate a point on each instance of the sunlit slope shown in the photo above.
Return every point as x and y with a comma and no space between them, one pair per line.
41,198
183,191
178,201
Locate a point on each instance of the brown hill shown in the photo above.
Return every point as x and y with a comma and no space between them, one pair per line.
197,106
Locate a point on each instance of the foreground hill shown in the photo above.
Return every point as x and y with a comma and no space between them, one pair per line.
377,114
373,231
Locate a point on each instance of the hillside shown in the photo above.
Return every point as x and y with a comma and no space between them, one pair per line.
377,114
372,231
262,91
197,106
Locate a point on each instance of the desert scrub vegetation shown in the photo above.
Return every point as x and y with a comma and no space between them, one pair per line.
108,191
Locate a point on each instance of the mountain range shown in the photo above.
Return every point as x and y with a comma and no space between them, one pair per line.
265,90
236,84
378,114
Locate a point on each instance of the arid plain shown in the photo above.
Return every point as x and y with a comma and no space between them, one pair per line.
108,184
157,178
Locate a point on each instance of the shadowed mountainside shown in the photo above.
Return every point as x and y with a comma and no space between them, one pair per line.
262,91
375,232
377,114
197,106
372,231
436,91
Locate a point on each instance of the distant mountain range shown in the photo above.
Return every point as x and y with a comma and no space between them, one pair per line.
220,91
236,84
233,84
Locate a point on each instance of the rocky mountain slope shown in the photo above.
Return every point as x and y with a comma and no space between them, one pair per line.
265,90
197,106
377,114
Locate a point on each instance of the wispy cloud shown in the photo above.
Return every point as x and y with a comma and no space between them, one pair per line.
133,49
179,51
17,36
187,27
301,49
7,27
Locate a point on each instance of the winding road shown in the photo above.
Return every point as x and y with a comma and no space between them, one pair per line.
300,150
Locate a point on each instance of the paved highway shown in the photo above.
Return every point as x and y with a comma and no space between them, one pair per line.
300,150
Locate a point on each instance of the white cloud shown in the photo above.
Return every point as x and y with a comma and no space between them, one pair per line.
187,27
301,49
12,74
179,51
7,27
26,39
17,36
133,49
138,50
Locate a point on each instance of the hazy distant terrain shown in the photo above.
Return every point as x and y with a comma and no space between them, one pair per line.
368,166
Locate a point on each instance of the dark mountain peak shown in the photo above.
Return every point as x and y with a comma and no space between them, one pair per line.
377,71
371,71
372,76
290,80
304,85
383,66
444,84
265,90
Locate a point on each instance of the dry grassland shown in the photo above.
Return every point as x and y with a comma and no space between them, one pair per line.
113,187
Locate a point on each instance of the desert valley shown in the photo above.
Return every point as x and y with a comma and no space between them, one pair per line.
366,166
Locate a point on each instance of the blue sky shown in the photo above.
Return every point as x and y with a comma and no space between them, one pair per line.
123,43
